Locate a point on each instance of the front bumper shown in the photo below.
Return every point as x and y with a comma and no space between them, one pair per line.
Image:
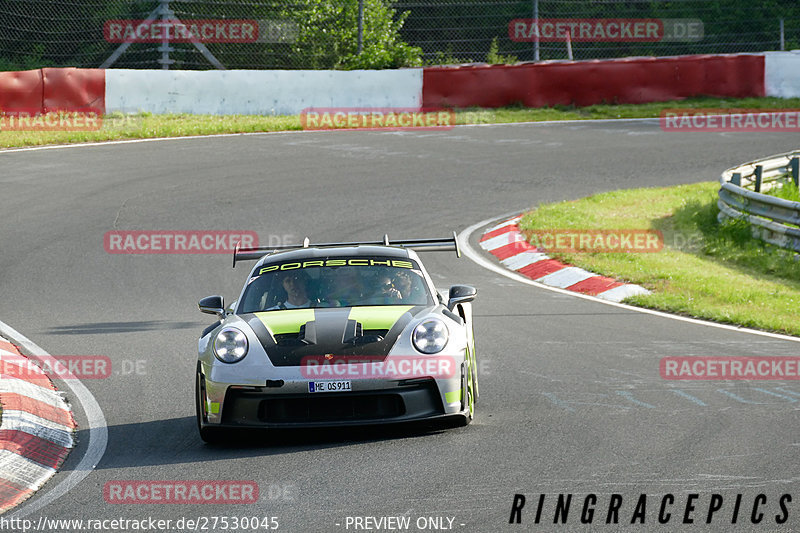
402,401
382,402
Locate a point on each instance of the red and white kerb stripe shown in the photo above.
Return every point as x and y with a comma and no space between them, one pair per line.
36,431
506,242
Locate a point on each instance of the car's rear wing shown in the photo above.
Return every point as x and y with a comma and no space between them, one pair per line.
445,244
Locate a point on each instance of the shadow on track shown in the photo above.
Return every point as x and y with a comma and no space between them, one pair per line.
122,327
176,441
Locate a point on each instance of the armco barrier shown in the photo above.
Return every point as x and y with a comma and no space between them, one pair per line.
259,92
21,91
782,74
630,81
74,89
53,89
774,220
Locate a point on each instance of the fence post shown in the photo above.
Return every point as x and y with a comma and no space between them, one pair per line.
783,40
794,165
569,45
165,48
536,37
758,173
360,26
736,179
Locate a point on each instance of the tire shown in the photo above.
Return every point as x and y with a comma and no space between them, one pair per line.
469,400
474,377
471,406
209,435
474,366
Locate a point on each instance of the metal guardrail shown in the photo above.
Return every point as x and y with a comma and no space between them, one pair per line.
774,220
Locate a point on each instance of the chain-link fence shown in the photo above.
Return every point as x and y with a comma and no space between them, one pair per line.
293,34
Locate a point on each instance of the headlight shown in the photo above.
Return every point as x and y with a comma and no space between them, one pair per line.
230,345
430,336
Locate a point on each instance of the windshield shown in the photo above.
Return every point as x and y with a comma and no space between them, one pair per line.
335,282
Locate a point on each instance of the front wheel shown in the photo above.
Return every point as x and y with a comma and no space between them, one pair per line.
469,397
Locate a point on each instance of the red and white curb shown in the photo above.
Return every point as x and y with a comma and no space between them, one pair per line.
506,242
36,431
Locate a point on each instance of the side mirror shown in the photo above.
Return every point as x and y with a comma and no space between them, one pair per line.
460,294
213,305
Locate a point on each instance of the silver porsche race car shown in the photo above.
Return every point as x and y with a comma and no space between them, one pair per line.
337,334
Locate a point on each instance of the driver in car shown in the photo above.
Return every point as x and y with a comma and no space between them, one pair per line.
295,283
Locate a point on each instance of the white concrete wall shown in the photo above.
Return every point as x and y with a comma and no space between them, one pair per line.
259,92
782,74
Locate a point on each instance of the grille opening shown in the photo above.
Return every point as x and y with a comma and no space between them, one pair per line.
324,408
294,339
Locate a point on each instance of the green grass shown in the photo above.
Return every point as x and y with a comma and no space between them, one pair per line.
119,127
786,190
615,111
705,270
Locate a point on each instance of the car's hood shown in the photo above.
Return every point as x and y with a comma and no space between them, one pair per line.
290,335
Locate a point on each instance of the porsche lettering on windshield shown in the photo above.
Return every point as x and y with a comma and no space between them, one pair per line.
336,282
336,263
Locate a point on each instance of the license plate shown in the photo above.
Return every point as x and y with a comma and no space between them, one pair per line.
329,386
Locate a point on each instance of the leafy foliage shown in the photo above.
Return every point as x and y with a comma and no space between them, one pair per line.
495,58
328,36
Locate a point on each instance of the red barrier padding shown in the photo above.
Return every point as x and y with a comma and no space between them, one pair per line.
74,89
21,91
582,83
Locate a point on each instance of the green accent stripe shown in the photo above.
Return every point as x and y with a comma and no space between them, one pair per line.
286,320
452,396
378,317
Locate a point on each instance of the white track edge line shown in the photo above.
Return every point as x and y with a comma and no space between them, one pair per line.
98,429
469,251
254,133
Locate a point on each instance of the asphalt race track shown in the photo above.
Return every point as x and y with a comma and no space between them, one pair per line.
571,398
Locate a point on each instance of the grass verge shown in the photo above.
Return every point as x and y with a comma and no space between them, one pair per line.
118,127
705,270
786,189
